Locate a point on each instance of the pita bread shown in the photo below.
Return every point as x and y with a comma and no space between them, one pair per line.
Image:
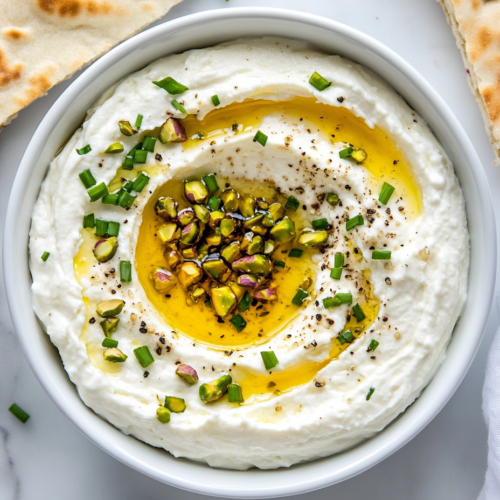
476,25
42,42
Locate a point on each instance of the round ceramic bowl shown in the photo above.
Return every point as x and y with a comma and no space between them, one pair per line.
202,30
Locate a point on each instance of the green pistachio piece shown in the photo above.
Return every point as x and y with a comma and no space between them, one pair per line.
262,203
185,216
230,198
202,213
250,280
217,269
189,274
256,246
163,280
105,250
109,325
163,415
332,199
266,295
187,373
312,238
358,155
169,232
114,355
189,234
197,294
253,264
255,224
284,230
213,391
202,250
306,283
175,405
166,207
275,212
126,128
173,258
269,247
228,226
109,308
214,239
238,290
247,206
114,148
195,191
172,131
231,252
224,300
215,218
245,242
190,253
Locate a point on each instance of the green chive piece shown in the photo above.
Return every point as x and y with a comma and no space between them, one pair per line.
337,300
97,192
292,203
113,228
336,273
318,82
373,345
179,107
101,227
358,313
385,193
86,149
111,199
128,186
260,138
381,255
370,392
19,413
215,100
299,297
107,342
279,263
234,394
89,220
245,302
114,148
346,337
87,178
143,356
339,259
238,322
138,121
214,203
148,144
140,156
211,182
140,182
128,161
296,253
171,86
270,359
355,221
126,200
320,224
45,256
344,153
125,271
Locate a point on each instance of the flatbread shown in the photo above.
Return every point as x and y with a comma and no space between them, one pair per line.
476,25
42,42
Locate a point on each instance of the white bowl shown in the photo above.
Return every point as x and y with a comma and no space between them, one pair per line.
201,30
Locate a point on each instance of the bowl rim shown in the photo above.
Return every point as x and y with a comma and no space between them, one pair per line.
89,426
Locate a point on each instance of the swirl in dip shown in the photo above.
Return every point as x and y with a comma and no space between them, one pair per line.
273,263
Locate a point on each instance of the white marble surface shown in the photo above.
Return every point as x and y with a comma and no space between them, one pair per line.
48,459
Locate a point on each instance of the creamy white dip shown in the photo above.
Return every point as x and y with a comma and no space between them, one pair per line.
421,290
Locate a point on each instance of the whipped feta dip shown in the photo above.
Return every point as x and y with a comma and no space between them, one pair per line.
336,392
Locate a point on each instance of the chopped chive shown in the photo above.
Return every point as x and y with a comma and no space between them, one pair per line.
320,224
214,203
344,153
140,182
113,228
355,221
211,182
101,227
270,359
128,186
138,121
126,200
89,220
292,203
144,356
111,199
238,322
279,263
19,413
339,259
87,178
358,313
215,100
128,161
336,273
114,148
346,337
337,300
97,192
140,156
45,256
148,144
318,82
299,297
260,138
386,193
245,302
86,149
171,86
179,107
381,255
111,343
234,394
296,253
370,392
125,271
373,345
